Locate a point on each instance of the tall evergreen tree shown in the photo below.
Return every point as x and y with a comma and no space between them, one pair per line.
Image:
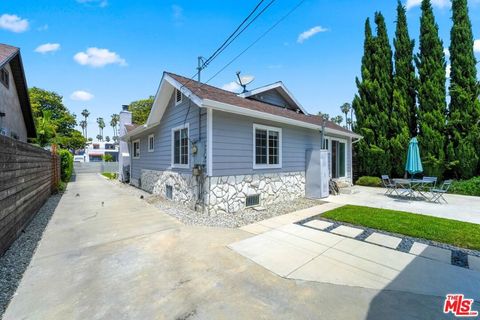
431,94
464,108
373,102
403,123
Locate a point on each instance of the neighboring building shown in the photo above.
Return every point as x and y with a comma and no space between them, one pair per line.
213,149
94,151
16,119
125,126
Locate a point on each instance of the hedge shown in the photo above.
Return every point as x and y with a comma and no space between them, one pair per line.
470,187
369,181
66,164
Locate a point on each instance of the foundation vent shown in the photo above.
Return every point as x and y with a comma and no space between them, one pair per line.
169,192
252,200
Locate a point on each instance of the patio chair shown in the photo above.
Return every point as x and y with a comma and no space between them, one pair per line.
437,194
389,185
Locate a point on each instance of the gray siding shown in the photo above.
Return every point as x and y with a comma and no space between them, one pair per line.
174,116
272,97
13,121
233,145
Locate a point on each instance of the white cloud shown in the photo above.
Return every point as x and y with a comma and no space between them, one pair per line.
232,86
446,52
43,28
310,33
100,3
81,95
448,69
436,3
13,23
476,46
96,57
47,47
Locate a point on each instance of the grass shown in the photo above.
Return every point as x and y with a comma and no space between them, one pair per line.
109,175
457,233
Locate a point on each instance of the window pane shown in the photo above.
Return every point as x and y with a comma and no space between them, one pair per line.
334,159
260,146
341,159
176,147
184,146
273,157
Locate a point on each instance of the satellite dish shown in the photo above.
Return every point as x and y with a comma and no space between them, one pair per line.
244,81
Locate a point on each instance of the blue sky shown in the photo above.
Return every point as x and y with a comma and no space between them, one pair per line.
100,54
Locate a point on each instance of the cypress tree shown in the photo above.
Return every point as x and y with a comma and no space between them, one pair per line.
431,94
464,108
403,116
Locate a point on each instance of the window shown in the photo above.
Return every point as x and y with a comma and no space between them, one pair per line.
4,78
151,143
136,149
178,96
169,192
181,147
96,146
339,156
252,200
267,147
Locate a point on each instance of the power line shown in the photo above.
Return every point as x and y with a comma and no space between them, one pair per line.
257,40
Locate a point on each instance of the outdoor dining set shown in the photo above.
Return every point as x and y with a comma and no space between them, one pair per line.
425,188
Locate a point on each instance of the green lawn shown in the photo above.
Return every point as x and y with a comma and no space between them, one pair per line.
457,233
109,175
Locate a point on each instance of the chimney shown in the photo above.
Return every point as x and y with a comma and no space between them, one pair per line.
125,118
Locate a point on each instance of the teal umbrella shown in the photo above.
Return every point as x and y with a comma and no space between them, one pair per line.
414,163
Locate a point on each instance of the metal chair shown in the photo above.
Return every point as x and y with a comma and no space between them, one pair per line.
437,194
389,185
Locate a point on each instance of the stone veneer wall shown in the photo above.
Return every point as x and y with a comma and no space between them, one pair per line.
228,193
184,185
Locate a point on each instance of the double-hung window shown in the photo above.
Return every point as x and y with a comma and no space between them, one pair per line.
181,147
267,147
136,149
151,143
4,77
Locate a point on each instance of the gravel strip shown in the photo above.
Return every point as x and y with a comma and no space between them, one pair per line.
17,258
364,235
405,245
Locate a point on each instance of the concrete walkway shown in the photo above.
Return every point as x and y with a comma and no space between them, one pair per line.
463,208
127,260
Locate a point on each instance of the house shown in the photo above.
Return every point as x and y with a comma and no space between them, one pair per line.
96,150
220,151
16,119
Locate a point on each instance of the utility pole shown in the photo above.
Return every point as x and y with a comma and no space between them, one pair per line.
200,67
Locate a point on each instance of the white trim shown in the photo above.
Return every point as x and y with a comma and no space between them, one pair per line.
280,142
176,91
148,143
133,149
275,85
209,142
341,140
180,166
267,116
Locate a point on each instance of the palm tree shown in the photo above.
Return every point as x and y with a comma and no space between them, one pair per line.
337,119
85,114
114,123
99,137
107,138
101,125
83,124
346,107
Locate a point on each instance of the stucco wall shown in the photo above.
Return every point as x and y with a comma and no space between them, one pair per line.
13,122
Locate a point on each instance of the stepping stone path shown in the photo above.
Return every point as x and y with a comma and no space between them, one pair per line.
474,262
319,224
431,252
347,231
384,240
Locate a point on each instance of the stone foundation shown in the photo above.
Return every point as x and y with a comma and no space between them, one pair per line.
228,193
184,185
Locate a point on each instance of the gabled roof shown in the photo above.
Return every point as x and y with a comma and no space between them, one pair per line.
281,89
207,96
9,54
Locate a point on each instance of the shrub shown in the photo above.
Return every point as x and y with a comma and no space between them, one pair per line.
66,164
470,187
110,175
369,181
107,158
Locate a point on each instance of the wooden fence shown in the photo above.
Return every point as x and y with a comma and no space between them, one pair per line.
28,176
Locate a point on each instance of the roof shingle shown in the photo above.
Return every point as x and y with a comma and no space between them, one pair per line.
6,53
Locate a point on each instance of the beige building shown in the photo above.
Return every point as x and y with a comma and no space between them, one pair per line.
16,119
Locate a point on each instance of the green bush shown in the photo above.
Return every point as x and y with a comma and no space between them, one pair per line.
369,181
107,158
470,187
110,175
66,164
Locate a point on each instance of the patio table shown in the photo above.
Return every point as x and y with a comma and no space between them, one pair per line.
412,186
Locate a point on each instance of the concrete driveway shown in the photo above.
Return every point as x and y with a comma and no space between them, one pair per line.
127,260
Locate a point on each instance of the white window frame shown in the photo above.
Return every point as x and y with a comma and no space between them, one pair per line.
181,97
180,166
330,140
133,149
151,136
280,142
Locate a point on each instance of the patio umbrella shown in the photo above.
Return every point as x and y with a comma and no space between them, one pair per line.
414,163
